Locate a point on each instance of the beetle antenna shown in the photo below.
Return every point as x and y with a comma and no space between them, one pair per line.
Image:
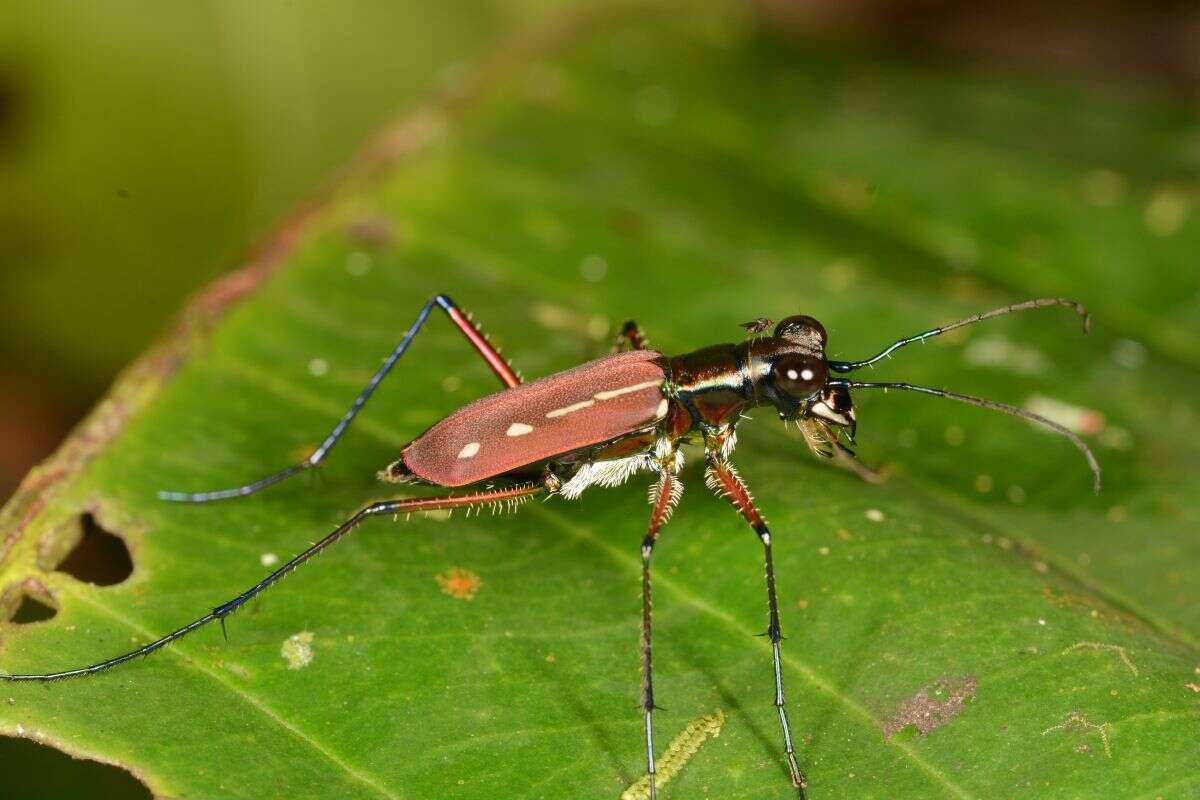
995,406
1041,302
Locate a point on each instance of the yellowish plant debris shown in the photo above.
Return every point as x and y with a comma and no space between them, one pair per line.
1077,720
678,753
1120,651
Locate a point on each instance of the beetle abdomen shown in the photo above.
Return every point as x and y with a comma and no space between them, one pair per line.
587,405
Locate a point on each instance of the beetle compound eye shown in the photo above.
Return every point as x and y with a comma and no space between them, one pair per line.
799,376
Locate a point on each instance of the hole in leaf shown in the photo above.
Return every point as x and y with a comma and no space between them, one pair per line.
32,610
100,557
49,773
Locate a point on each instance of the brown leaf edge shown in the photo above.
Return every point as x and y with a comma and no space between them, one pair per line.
139,384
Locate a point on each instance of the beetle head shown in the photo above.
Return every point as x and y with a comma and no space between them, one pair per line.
796,378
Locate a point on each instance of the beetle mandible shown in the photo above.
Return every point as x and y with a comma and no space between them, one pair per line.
600,424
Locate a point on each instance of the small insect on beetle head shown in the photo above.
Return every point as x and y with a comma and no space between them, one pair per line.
798,381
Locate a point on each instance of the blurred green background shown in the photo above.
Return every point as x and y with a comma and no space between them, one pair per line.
145,148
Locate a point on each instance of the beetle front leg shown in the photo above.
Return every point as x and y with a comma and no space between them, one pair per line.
724,480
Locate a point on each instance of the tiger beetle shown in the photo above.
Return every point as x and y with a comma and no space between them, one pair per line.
603,422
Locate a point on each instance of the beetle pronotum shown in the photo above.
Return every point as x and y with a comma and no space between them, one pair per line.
603,422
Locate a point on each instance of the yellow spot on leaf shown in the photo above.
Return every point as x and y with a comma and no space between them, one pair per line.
461,584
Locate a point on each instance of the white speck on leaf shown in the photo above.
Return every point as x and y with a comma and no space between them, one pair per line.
318,367
297,650
268,559
874,514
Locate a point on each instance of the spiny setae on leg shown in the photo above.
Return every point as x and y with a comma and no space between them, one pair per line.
601,423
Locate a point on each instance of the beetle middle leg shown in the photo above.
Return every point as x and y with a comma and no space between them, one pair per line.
478,341
723,479
663,497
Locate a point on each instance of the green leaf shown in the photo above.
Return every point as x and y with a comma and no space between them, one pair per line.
977,626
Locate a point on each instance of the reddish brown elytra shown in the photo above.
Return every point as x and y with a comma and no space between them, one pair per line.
603,422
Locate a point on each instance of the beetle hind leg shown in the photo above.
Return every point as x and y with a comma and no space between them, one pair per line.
466,326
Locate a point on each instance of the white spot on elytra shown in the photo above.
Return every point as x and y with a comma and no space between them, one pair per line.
661,411
562,412
469,450
518,429
806,375
637,387
268,559
297,650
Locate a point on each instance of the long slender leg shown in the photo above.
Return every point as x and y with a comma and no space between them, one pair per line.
498,496
663,497
464,324
631,337
722,478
